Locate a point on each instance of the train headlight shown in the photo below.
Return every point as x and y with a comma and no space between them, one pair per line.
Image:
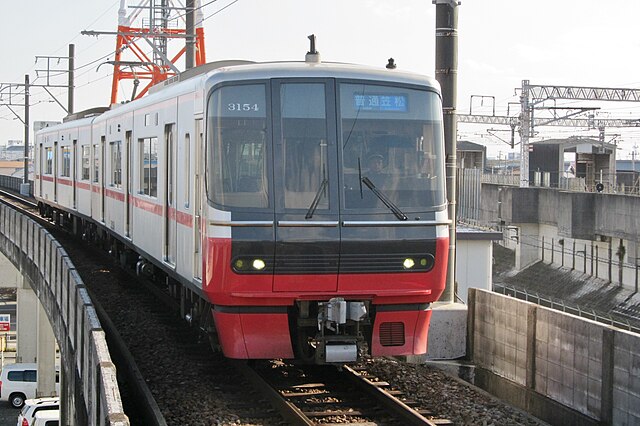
239,264
408,263
258,264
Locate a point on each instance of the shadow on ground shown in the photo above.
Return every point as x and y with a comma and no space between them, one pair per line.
572,287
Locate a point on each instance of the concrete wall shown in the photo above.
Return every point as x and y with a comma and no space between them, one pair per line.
559,367
90,394
596,225
580,215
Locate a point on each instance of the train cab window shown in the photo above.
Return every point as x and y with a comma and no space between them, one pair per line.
148,166
115,149
66,161
48,155
400,130
86,162
237,162
96,163
304,140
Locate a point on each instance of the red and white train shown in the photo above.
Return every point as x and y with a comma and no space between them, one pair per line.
253,187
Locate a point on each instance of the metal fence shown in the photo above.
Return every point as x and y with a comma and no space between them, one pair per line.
13,183
90,394
511,180
469,191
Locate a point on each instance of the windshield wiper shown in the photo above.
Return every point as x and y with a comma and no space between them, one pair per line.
316,200
387,202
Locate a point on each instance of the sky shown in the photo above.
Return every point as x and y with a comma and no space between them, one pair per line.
500,42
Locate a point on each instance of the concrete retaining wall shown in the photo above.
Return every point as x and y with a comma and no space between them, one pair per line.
90,392
561,368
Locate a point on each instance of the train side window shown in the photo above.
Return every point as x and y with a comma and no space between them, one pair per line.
66,161
187,168
148,166
48,153
86,162
96,163
116,163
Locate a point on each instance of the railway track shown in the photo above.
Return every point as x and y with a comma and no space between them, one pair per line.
312,395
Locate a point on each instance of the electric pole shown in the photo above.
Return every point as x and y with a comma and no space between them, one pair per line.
25,183
447,76
9,90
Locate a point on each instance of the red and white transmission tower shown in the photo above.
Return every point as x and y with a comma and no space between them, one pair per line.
162,23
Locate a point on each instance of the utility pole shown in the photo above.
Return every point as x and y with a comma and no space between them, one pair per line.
8,90
24,188
71,91
526,119
51,71
447,76
189,57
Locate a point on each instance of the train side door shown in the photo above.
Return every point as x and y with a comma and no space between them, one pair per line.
170,217
306,177
40,169
197,198
74,176
103,156
55,171
129,184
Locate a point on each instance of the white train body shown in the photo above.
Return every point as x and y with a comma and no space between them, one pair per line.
99,165
261,203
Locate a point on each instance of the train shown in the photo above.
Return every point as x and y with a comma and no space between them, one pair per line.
297,210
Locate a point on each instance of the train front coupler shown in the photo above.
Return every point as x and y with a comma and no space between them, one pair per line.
340,325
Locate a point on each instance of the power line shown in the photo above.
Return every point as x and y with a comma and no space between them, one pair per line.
215,13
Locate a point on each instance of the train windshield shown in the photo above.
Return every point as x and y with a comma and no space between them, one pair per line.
372,148
392,148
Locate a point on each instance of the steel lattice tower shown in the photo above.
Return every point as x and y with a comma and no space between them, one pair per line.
166,20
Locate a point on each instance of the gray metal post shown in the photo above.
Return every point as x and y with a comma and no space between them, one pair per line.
610,260
526,120
190,41
447,75
70,92
26,128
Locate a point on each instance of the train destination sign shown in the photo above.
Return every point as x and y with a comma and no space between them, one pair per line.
386,103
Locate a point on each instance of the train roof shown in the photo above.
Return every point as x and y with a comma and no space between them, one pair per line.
208,75
266,70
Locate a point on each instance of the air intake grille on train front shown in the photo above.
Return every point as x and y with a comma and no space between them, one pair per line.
392,334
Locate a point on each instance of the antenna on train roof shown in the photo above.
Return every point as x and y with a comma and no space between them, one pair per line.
312,55
391,64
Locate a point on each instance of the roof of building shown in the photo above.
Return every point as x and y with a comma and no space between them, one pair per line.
575,141
470,146
11,164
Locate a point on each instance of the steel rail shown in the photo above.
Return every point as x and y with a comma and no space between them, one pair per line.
384,398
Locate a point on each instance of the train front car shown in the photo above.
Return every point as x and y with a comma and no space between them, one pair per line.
327,226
